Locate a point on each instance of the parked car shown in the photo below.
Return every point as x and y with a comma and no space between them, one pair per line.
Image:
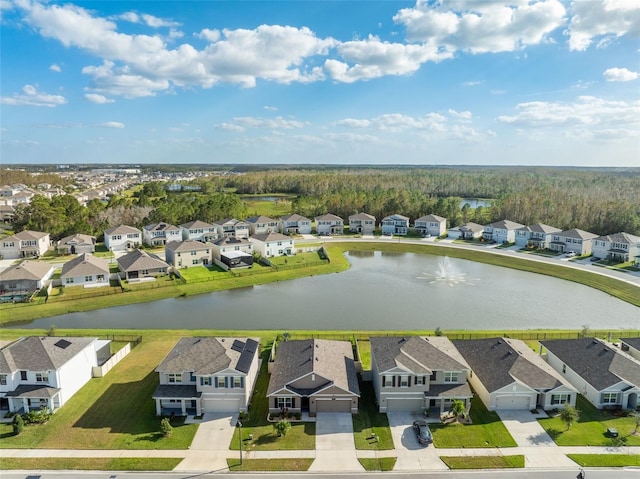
423,433
570,254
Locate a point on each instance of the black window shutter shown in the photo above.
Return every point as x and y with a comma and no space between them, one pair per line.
293,402
394,381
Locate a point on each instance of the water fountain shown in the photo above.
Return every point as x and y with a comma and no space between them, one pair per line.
446,273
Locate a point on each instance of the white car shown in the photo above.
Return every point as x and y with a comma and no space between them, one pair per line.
570,254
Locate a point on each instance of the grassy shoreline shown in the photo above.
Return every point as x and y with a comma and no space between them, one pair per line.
15,314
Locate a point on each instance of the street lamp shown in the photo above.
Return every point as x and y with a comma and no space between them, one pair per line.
240,439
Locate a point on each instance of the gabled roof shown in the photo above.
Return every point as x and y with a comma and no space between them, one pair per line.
196,224
186,245
328,217
260,219
30,270
395,217
28,235
230,240
431,218
121,230
414,354
474,227
540,228
267,237
85,264
505,225
230,221
632,342
362,217
294,217
498,362
77,239
576,233
624,238
137,260
205,356
162,226
35,353
329,359
595,362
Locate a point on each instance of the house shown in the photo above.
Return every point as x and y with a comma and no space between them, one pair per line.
603,375
7,213
25,244
85,270
232,252
19,281
468,231
138,265
182,254
272,244
329,225
77,244
631,346
232,227
159,234
363,223
259,225
620,247
535,236
506,374
295,224
42,372
572,241
430,225
395,225
314,375
418,373
122,238
199,231
503,231
207,375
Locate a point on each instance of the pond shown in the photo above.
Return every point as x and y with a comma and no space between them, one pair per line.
475,202
381,291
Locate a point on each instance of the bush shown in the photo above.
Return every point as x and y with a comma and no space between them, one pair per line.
18,424
37,417
282,427
165,427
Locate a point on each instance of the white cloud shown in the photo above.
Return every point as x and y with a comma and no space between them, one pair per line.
397,122
472,83
55,68
270,108
620,74
149,20
32,97
602,20
481,27
277,123
111,124
462,116
97,98
209,35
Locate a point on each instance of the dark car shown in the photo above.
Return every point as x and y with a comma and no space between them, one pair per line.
422,432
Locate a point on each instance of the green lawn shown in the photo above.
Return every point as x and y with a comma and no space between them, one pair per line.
369,421
486,431
299,259
378,464
591,428
364,350
606,460
483,462
289,464
90,464
202,273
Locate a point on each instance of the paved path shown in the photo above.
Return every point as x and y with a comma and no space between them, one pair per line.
335,446
412,456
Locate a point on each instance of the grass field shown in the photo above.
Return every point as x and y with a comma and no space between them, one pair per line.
483,462
369,421
266,465
606,460
378,464
90,463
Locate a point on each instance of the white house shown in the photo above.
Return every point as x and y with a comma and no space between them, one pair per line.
329,225
535,236
25,244
431,225
572,241
122,238
503,231
295,224
272,244
159,234
232,227
259,225
77,244
395,225
620,247
19,281
199,231
44,372
85,270
183,254
207,375
362,223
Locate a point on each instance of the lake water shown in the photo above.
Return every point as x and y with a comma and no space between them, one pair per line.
381,291
474,202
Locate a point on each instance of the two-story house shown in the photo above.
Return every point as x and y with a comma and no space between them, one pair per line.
503,231
159,234
26,244
535,236
260,225
232,252
269,245
182,254
395,225
39,372
295,224
329,224
232,227
199,231
77,244
417,374
207,375
122,238
430,225
572,241
621,247
363,223
85,270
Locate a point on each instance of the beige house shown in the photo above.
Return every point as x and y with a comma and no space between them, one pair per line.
77,244
329,225
85,270
295,224
260,225
140,265
25,244
182,254
362,223
572,241
430,225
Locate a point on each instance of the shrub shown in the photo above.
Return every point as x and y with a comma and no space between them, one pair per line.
18,424
282,427
165,427
37,417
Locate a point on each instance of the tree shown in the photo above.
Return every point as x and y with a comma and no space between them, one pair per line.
569,415
166,427
18,424
282,427
457,408
586,331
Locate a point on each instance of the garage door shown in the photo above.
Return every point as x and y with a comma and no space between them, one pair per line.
414,405
512,402
333,405
220,405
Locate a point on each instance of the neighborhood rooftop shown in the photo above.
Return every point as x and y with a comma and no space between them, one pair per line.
35,353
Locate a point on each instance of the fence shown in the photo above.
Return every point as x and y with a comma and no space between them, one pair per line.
101,371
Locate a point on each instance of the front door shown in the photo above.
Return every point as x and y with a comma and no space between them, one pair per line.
305,404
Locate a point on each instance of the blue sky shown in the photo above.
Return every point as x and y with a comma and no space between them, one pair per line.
516,82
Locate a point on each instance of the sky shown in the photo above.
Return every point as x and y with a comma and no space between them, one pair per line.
486,82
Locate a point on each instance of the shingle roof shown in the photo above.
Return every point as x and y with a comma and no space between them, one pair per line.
471,227
540,228
328,217
260,219
396,217
362,216
230,221
196,224
415,354
294,217
624,238
162,226
498,362
35,353
594,361
138,259
30,270
209,355
230,240
85,264
187,391
30,235
330,359
633,342
77,239
432,218
576,233
121,230
506,225
266,237
186,245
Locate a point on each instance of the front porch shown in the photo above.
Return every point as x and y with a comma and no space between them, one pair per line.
27,398
174,400
439,400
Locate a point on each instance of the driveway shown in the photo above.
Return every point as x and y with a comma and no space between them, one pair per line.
335,447
412,456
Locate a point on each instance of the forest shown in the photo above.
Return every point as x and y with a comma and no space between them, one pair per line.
599,200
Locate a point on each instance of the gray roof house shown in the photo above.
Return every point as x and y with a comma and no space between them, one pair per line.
631,346
503,231
199,231
232,227
19,281
620,247
467,231
418,373
362,223
77,244
158,234
207,375
395,225
259,225
507,374
85,270
432,225
314,375
295,224
182,254
122,238
139,265
604,375
572,241
535,236
24,244
44,372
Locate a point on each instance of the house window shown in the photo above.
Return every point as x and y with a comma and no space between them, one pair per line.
404,381
609,398
221,382
69,280
419,380
23,375
101,277
387,381
192,377
285,403
451,377
194,261
560,399
88,278
3,379
193,253
205,381
432,377
237,382
42,377
174,378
